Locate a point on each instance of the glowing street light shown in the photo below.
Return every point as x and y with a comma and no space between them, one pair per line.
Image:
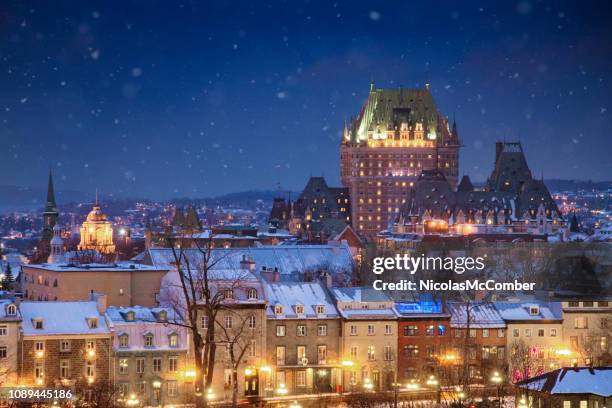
431,381
132,400
295,405
367,384
347,363
282,389
522,403
210,395
497,380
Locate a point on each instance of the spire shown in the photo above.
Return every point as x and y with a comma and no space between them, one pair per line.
50,192
372,87
97,202
454,130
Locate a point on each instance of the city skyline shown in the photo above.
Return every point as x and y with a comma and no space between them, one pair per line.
148,102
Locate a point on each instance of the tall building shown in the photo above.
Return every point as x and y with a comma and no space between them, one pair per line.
397,134
97,232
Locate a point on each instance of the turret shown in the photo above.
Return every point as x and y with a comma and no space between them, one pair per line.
57,246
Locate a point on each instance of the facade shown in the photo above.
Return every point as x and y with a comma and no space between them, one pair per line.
303,333
423,339
97,232
534,337
587,327
150,355
478,347
239,321
368,338
397,134
124,284
10,324
64,344
512,202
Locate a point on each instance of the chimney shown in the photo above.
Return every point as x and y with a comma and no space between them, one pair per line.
499,146
247,263
100,299
276,275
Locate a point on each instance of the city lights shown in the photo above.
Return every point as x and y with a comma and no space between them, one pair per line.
282,389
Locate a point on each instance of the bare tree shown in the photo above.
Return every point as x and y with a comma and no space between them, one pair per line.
237,339
522,362
198,299
100,395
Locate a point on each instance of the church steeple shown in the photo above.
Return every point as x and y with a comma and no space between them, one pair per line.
50,214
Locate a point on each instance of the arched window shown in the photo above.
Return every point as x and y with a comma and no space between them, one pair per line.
11,310
252,294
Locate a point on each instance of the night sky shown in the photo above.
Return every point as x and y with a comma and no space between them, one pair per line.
167,99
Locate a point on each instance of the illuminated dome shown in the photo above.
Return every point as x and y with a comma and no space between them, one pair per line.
96,215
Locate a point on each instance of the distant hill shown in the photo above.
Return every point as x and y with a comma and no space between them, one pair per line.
574,185
243,199
13,198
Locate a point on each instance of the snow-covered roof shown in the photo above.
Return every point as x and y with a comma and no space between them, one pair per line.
482,315
141,314
360,294
529,311
369,314
289,295
61,318
114,267
579,380
289,260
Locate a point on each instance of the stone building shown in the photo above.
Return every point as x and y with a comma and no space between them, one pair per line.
535,333
150,355
397,134
303,332
512,202
10,322
587,327
65,344
478,343
125,284
368,338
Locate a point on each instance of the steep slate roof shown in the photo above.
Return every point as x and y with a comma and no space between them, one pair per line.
386,109
579,380
510,170
432,193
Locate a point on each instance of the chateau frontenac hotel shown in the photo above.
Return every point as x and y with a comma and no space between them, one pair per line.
400,161
398,134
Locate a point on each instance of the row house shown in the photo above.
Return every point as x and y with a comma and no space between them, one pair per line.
303,333
239,322
10,322
64,344
477,345
587,326
150,355
423,339
368,337
535,337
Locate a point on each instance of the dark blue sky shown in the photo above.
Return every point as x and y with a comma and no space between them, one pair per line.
165,99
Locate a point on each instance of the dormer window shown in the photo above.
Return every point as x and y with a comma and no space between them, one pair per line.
124,340
129,316
320,309
92,322
228,294
173,339
11,310
148,340
299,309
534,310
278,309
252,294
38,324
162,316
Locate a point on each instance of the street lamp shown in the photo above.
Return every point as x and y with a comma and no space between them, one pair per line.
433,382
210,395
522,403
132,401
497,380
367,384
282,389
295,405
